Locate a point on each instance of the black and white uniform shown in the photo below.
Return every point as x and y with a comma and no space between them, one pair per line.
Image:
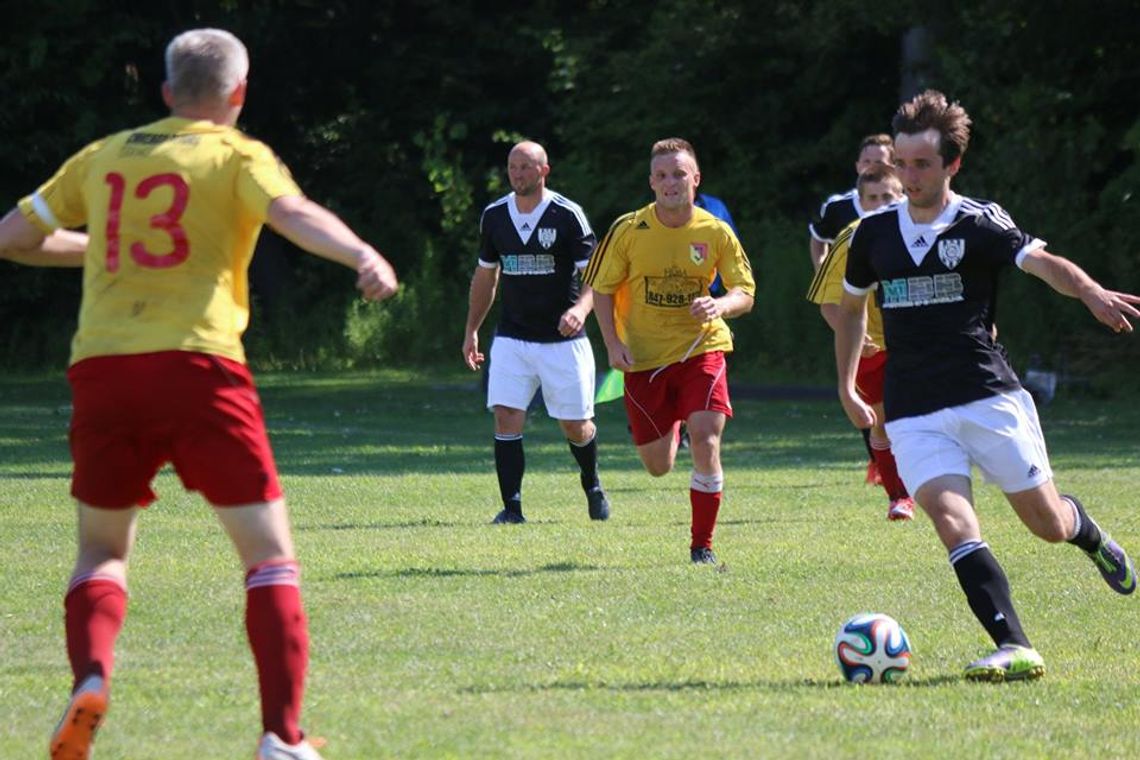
950,396
835,213
539,256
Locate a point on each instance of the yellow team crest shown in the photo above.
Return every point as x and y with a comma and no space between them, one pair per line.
698,253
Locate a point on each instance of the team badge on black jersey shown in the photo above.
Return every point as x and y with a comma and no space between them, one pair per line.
950,252
547,236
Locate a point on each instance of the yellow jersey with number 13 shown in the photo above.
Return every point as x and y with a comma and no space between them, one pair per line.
173,210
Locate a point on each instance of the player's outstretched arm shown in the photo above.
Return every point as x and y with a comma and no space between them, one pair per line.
321,232
1110,307
23,243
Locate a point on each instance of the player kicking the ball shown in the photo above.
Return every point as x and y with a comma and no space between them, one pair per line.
951,398
157,371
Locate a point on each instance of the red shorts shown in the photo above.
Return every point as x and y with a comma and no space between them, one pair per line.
869,377
133,414
654,406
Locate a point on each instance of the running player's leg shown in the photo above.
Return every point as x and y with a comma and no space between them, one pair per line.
653,419
900,504
275,618
706,485
94,610
947,500
1019,464
511,386
937,461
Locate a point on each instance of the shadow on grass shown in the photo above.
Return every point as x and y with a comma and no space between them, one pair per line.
424,523
445,572
700,685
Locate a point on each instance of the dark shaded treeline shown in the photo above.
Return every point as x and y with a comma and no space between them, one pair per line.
399,115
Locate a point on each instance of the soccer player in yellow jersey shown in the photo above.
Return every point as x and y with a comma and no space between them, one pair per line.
173,210
651,277
877,187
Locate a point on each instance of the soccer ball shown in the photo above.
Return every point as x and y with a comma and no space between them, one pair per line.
872,648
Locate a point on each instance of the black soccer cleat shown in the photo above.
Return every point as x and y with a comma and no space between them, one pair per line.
507,517
598,504
702,556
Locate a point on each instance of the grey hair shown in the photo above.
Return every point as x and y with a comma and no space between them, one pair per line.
205,65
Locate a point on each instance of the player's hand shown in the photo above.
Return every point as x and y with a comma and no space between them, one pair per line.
705,308
861,415
619,356
376,279
571,322
471,353
1112,308
870,347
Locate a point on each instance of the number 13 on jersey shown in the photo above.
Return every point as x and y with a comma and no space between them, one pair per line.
166,221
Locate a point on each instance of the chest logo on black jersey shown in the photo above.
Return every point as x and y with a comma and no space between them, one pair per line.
950,252
547,236
698,253
920,242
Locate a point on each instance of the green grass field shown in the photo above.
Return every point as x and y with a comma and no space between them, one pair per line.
437,635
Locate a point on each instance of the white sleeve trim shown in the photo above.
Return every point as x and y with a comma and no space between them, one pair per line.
39,205
580,265
1036,244
858,291
817,238
488,264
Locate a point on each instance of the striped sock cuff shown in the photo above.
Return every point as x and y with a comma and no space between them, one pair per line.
79,580
508,437
274,573
965,549
583,444
1076,517
707,483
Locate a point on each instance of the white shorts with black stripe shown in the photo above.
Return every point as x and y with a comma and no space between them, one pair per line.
565,370
1000,434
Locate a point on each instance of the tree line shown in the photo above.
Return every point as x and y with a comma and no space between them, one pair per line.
399,117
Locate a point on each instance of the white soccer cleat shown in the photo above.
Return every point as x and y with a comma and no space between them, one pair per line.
272,748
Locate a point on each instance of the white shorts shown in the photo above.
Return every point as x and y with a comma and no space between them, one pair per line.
1000,434
565,370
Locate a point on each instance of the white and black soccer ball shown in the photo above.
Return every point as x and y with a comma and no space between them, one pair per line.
872,648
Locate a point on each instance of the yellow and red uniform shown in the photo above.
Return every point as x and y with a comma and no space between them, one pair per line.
173,210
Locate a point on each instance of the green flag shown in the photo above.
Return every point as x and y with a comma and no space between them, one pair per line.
612,387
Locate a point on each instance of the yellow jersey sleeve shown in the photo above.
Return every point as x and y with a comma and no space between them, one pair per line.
60,202
827,285
263,179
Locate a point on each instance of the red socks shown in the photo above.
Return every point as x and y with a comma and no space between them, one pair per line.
704,496
888,471
279,636
94,609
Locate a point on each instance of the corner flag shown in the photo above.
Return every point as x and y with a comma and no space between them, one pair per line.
612,387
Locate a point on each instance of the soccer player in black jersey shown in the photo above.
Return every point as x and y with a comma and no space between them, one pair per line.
538,241
951,399
835,214
841,209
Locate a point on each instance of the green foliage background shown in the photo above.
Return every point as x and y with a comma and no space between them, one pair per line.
399,115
